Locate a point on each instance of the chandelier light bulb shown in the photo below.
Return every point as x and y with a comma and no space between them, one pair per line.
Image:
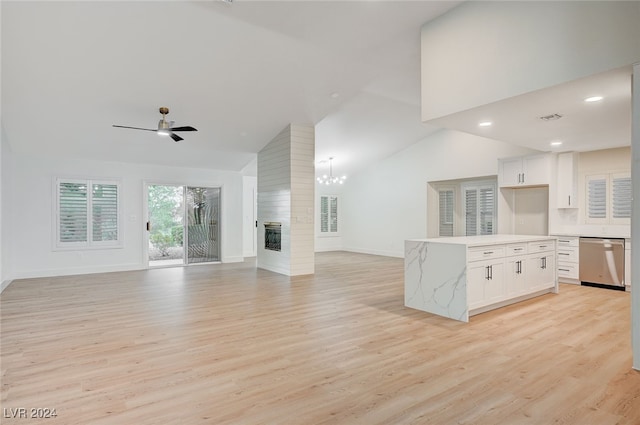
330,179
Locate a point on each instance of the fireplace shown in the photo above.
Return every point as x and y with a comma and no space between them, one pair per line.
272,236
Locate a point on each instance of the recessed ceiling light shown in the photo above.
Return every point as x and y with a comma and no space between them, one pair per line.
335,95
485,124
593,99
556,143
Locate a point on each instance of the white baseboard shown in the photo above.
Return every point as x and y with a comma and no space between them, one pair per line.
383,253
78,271
232,259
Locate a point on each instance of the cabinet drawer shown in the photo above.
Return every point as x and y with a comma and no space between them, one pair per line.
568,241
568,254
568,270
540,246
516,249
485,252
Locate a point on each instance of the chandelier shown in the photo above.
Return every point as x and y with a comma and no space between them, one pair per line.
329,179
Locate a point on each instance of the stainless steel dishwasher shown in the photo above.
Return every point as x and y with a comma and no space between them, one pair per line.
602,262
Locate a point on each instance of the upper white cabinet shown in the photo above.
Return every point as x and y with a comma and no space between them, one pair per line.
568,180
533,170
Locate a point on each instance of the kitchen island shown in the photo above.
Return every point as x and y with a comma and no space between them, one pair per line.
457,277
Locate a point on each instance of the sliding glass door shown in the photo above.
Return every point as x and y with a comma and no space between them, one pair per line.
183,226
203,241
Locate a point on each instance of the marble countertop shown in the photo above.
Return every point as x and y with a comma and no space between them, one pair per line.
485,239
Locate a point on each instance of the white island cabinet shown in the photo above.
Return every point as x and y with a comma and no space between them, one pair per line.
458,277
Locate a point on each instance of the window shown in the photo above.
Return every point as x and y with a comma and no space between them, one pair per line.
608,198
329,214
87,213
479,208
446,208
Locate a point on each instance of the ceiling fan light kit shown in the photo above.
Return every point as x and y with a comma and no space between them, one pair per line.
165,128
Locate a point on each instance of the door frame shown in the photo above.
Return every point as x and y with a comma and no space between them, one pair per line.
145,217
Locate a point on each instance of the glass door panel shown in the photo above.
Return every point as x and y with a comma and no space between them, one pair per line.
203,217
166,225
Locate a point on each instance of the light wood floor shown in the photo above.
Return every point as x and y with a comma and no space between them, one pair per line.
230,344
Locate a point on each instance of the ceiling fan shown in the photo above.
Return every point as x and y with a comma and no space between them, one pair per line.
165,128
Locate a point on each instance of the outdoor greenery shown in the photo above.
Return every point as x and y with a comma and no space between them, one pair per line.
165,214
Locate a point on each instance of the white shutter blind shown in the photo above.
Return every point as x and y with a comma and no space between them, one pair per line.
72,204
324,214
621,197
333,213
446,212
471,211
88,214
487,203
105,212
480,209
597,197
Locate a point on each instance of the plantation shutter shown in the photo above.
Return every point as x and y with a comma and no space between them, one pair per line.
105,212
324,214
334,214
328,214
486,210
72,214
446,212
621,197
597,197
87,213
471,211
480,209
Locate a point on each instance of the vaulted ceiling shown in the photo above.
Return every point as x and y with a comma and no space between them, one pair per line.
240,72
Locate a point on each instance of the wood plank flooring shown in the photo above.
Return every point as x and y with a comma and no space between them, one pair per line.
231,344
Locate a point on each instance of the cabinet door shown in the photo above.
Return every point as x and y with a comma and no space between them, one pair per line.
494,289
515,272
477,274
485,283
627,262
541,271
510,172
567,180
535,170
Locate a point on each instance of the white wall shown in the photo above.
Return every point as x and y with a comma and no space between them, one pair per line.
32,202
387,203
249,215
635,219
5,191
481,52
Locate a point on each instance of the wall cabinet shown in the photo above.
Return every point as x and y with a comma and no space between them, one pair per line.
533,170
568,180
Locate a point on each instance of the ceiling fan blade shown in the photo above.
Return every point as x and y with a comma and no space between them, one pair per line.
135,128
176,138
186,128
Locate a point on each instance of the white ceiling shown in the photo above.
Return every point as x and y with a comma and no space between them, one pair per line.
237,72
240,73
583,126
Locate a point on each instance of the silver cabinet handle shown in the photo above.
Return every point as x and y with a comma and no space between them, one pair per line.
562,253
